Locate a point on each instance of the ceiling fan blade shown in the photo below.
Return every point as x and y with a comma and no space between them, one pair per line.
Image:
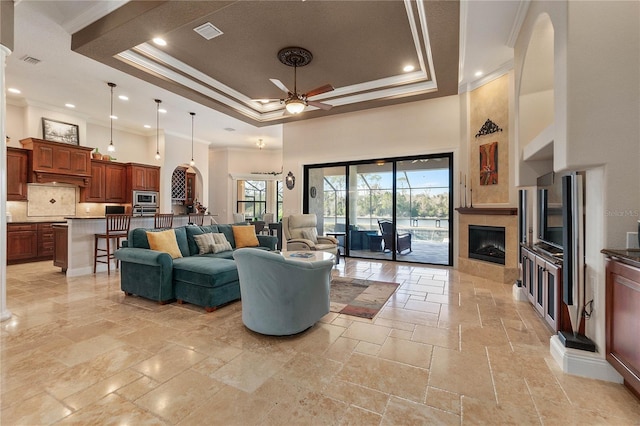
319,90
280,86
320,105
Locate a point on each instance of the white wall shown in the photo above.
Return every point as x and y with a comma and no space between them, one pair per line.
423,127
226,162
596,110
129,147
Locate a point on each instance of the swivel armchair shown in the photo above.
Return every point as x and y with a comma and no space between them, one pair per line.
301,233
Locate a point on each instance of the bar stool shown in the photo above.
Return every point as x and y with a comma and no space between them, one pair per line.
163,221
196,219
117,228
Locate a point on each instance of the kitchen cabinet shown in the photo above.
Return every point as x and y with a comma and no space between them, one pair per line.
142,177
60,246
542,283
190,188
29,242
22,242
58,162
17,174
45,240
108,183
622,321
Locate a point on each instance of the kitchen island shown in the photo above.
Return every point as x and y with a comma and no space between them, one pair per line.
80,239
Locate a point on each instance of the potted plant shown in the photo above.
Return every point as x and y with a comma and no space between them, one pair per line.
95,154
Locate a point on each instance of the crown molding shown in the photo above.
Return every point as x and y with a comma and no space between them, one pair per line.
495,74
523,8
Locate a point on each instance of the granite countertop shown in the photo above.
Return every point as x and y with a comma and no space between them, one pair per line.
30,222
628,256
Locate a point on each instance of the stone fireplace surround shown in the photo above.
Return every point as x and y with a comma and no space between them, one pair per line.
492,216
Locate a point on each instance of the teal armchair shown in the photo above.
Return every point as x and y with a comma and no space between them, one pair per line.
281,296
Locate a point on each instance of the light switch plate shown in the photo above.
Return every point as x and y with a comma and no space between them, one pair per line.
632,240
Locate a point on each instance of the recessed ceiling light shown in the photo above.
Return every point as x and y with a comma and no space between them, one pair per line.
478,73
123,98
146,126
159,41
14,90
70,105
162,110
113,117
408,68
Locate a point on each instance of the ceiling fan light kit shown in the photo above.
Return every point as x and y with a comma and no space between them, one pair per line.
296,102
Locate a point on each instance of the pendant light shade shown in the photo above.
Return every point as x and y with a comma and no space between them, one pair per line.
111,147
192,163
158,102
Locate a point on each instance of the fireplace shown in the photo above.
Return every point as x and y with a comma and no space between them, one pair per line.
487,243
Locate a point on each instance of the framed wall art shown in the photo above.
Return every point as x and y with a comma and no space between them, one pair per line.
489,164
58,131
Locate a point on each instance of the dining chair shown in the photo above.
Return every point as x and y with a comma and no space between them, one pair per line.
163,221
196,219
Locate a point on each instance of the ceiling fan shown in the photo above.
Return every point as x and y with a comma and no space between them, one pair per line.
296,102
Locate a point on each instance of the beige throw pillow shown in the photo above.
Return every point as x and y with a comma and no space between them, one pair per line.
205,242
220,243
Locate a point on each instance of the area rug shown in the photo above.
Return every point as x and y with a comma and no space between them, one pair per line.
360,298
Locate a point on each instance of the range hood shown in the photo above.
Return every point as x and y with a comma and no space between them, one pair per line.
57,162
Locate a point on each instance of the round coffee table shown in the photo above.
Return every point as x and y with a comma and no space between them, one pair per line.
308,256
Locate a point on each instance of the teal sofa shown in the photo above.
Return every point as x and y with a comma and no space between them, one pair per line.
208,280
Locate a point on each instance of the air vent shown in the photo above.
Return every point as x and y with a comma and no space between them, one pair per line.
30,60
208,31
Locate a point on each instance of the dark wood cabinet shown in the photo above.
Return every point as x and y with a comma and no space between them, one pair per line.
622,321
60,246
115,183
17,174
142,177
542,283
108,183
45,240
95,192
29,242
190,188
58,162
22,242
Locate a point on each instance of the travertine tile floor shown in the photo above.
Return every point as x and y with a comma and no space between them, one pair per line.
448,348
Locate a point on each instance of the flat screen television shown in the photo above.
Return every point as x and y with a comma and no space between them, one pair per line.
550,209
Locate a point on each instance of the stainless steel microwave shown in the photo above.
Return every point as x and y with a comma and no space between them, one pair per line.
145,198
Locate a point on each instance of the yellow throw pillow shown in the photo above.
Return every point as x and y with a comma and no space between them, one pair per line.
164,241
245,236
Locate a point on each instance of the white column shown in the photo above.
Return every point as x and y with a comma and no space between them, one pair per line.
5,314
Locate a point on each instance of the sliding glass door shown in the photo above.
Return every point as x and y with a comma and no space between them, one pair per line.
394,209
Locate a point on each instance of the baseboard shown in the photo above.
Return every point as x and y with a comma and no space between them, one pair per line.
518,293
582,363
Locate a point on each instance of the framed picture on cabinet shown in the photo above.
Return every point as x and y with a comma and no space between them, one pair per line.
58,131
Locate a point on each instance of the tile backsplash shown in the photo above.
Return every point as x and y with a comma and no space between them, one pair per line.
51,201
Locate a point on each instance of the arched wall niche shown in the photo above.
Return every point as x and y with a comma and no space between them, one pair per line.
536,95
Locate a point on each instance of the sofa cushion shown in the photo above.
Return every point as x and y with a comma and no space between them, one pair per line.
138,239
227,230
164,241
205,272
204,242
220,243
245,236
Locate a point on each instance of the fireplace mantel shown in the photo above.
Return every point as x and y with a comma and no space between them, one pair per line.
490,211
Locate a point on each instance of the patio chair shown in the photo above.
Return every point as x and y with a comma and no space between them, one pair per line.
403,240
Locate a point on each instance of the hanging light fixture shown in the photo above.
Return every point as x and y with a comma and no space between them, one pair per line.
111,147
192,163
158,101
260,144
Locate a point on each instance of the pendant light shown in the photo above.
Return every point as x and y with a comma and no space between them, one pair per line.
111,147
260,144
158,101
192,163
